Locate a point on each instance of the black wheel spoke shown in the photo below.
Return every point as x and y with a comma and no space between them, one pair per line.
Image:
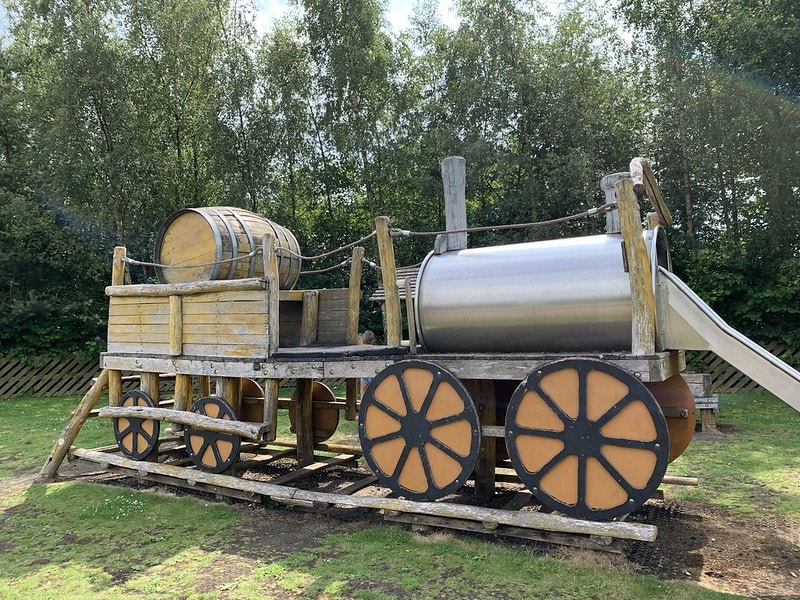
617,476
389,411
617,408
386,438
564,417
446,449
447,420
628,443
426,467
550,464
401,461
432,389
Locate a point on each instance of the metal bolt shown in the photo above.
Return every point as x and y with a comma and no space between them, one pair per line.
637,375
658,446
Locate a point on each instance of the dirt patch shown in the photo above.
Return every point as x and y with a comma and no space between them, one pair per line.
724,552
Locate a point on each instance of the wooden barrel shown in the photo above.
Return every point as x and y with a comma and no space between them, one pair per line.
198,244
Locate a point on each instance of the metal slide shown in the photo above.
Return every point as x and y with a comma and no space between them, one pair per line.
688,323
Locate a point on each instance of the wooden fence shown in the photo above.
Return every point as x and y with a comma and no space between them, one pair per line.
727,379
46,376
62,377
65,377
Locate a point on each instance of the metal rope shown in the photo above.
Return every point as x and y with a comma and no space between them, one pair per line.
142,263
587,213
288,252
344,263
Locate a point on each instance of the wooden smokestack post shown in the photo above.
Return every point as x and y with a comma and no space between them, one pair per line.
454,179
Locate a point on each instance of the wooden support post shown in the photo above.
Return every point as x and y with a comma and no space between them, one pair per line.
410,317
175,325
183,396
483,394
389,279
303,422
114,387
76,421
230,390
271,395
309,319
454,180
119,268
272,275
149,384
353,385
643,303
205,386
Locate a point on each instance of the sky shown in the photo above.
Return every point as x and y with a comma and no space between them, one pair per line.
397,13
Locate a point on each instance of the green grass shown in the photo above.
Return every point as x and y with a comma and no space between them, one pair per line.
754,468
84,540
30,426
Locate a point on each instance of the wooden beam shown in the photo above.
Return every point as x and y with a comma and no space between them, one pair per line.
230,390
484,398
272,389
309,318
114,387
183,395
119,268
303,422
175,325
249,431
389,280
159,290
644,181
149,383
534,520
643,302
73,428
272,274
454,180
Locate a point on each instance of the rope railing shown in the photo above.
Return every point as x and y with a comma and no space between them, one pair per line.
142,263
587,213
395,232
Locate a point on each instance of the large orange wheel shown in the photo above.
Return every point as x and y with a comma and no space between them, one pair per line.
136,438
419,430
587,438
677,403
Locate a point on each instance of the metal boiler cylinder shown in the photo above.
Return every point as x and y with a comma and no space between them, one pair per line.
565,295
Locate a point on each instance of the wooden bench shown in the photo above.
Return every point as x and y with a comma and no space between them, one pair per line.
705,401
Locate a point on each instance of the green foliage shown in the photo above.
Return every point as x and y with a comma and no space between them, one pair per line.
121,113
53,275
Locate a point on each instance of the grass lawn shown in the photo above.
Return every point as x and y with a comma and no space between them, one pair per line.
86,540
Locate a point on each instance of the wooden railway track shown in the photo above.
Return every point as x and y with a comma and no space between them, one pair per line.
269,472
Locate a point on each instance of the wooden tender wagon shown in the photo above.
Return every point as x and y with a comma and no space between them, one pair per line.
551,364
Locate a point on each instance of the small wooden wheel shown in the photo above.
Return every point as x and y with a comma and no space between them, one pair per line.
136,438
587,438
210,450
419,430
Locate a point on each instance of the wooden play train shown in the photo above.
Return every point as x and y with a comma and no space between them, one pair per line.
556,363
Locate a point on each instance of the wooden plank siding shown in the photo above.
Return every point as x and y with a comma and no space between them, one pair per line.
229,324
